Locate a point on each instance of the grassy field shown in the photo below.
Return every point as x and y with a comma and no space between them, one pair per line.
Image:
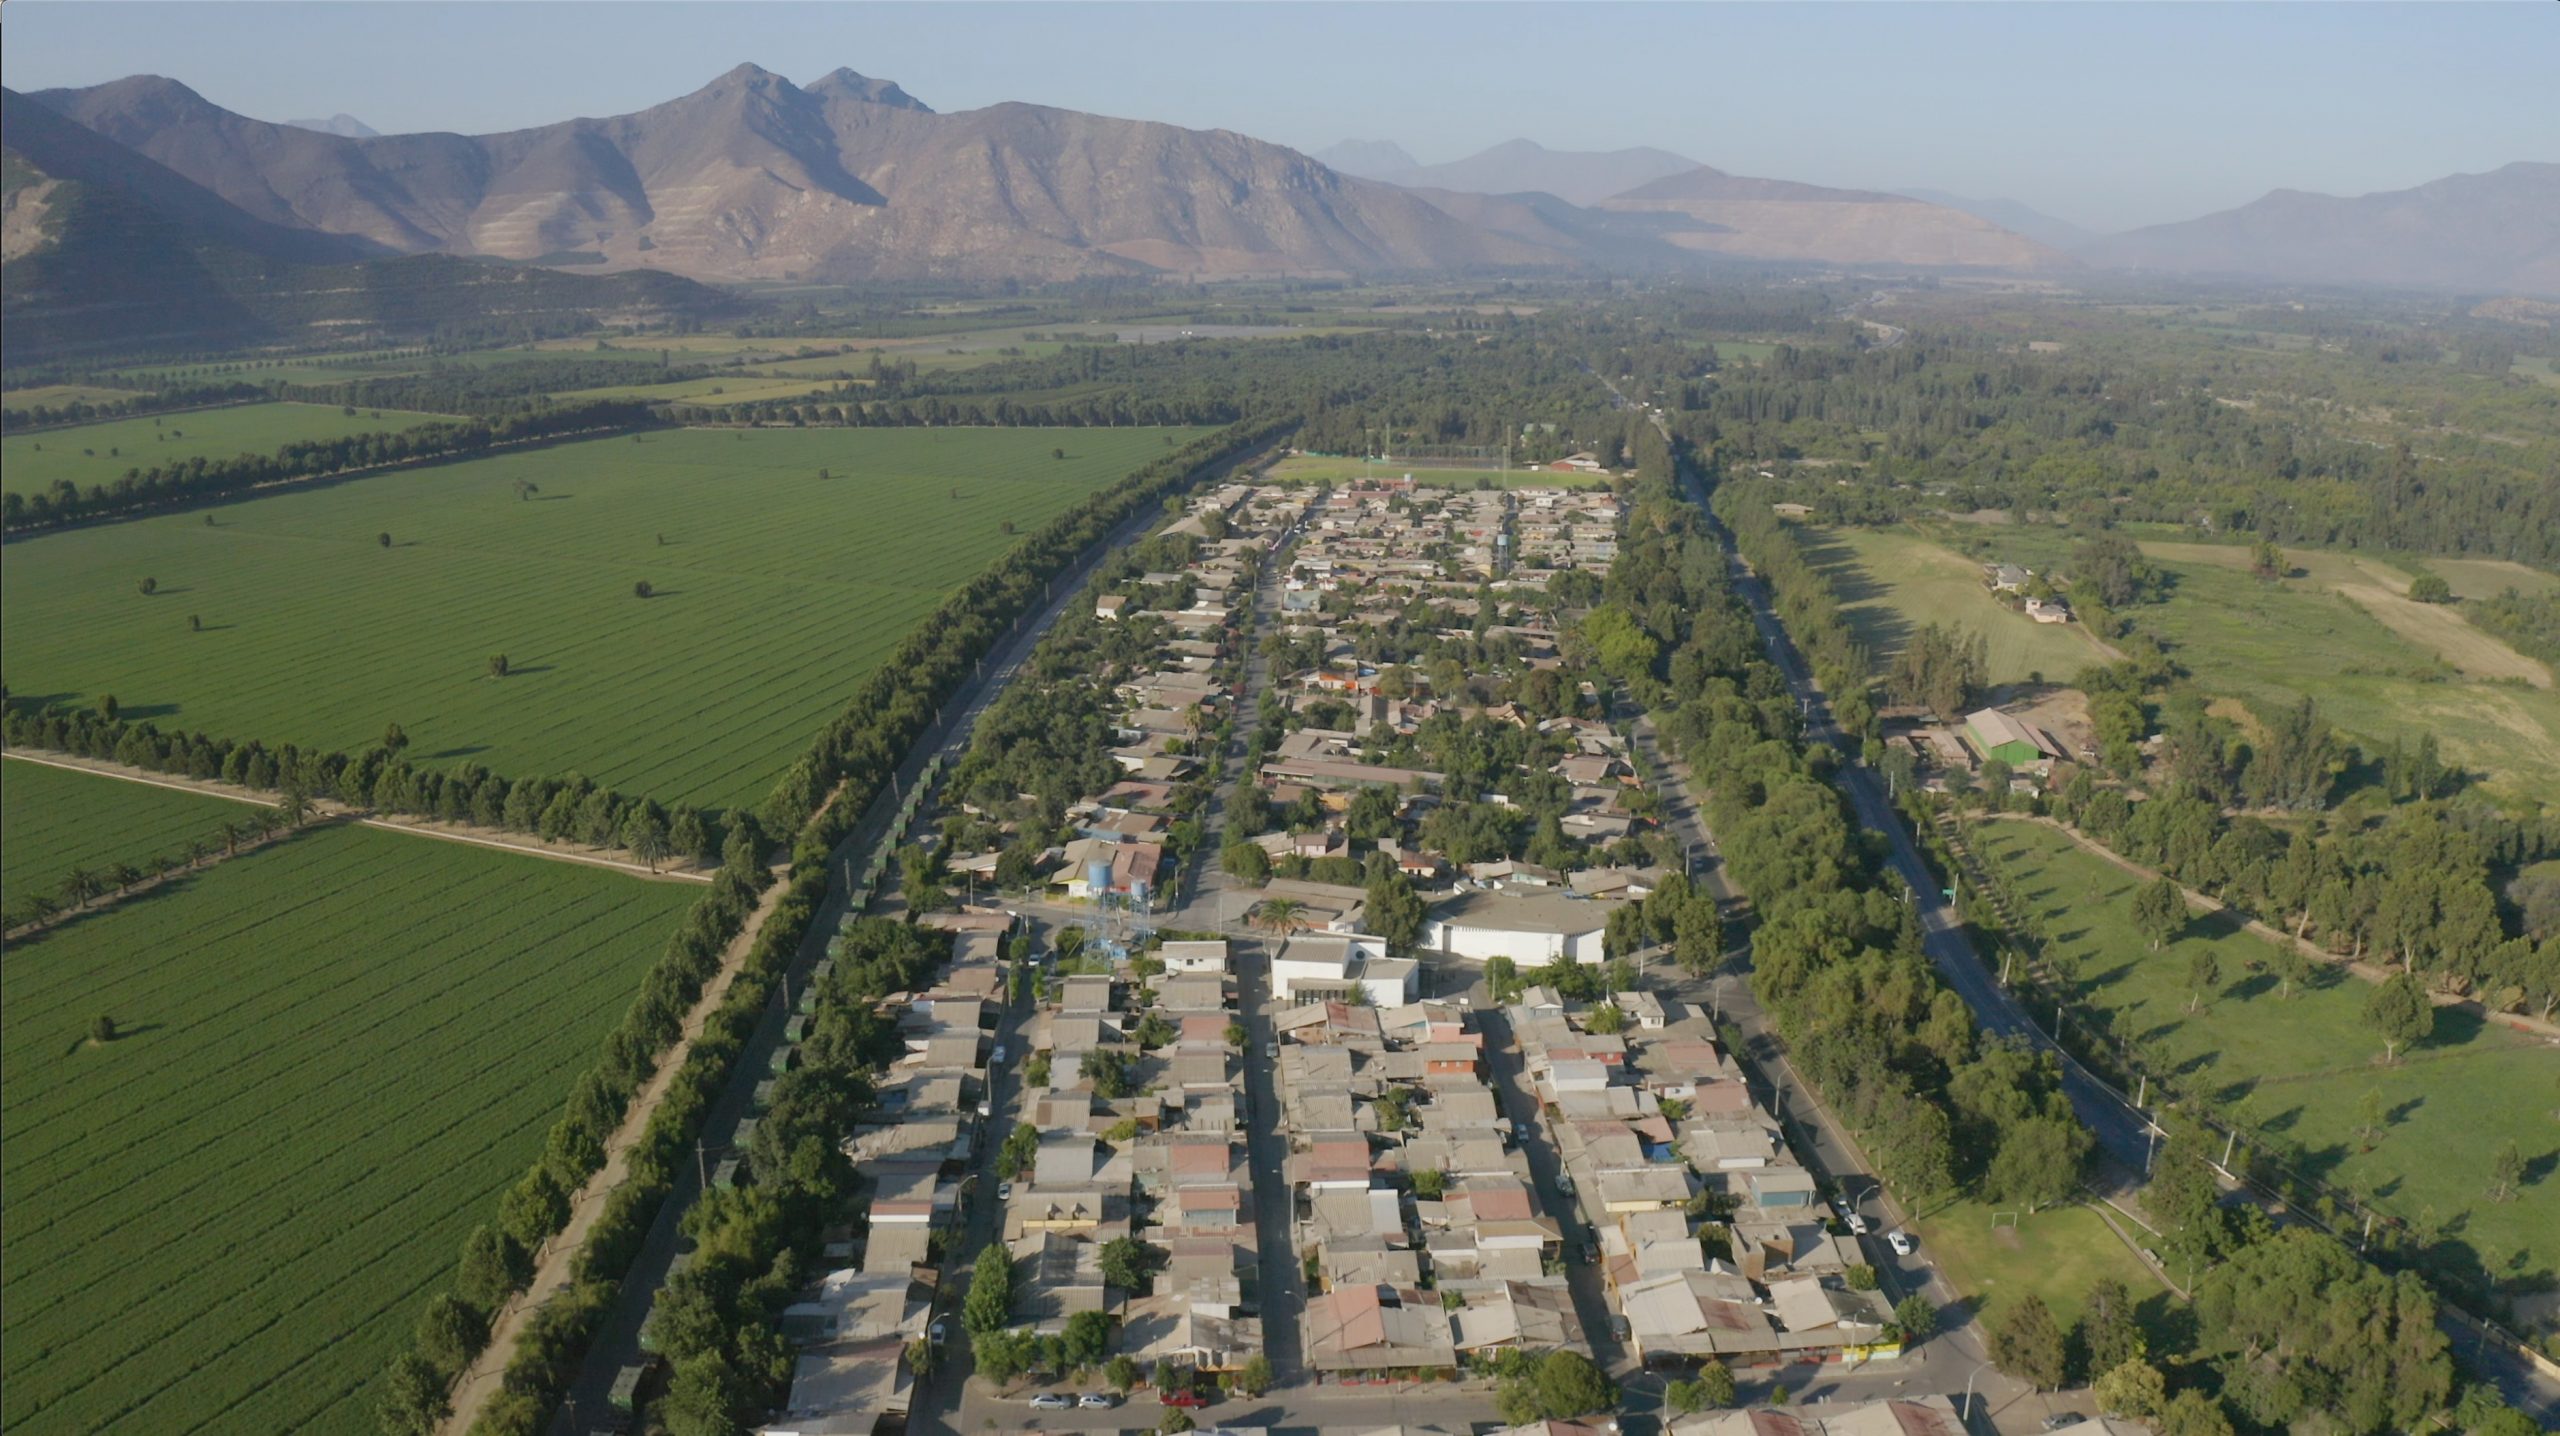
2298,1068
1891,583
100,453
716,389
2536,367
2381,589
1314,468
60,394
2325,634
777,591
2056,1254
338,1052
53,820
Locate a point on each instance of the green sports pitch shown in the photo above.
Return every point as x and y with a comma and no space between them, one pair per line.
785,564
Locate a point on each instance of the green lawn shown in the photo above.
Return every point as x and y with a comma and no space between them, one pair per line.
2298,1068
53,820
101,453
338,1052
776,592
2056,1254
1891,583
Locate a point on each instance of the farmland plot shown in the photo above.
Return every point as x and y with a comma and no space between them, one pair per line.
337,1052
53,820
87,454
775,591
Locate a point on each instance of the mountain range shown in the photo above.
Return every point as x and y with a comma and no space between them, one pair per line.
1583,177
338,124
139,201
2499,230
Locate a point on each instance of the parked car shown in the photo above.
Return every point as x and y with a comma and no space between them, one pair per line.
1619,1329
1004,1191
1857,1224
998,1059
939,1332
1591,1253
2063,1420
1901,1243
1564,1183
1050,1401
1097,1401
1183,1398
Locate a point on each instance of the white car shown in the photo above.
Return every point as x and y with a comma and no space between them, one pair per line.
1050,1401
1901,1243
1857,1224
1004,1192
998,1059
1097,1401
939,1332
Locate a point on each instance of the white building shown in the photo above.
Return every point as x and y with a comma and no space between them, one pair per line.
1321,966
1532,929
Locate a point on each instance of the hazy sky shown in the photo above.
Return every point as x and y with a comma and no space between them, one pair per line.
2109,115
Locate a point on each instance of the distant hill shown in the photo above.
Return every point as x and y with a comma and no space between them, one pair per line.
340,124
2012,216
104,251
2494,231
1526,167
1783,219
753,177
1366,159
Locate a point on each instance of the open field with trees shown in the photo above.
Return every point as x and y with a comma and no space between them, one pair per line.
2418,1137
718,389
55,395
1891,583
332,1055
54,822
2056,1254
774,589
100,453
2318,635
1316,468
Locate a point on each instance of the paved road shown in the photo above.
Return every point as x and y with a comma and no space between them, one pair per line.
617,1344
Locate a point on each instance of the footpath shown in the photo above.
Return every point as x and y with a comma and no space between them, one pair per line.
556,1264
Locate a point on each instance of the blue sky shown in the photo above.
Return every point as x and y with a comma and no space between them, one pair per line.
2109,115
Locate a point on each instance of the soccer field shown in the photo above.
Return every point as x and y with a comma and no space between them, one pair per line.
336,1053
776,591
89,454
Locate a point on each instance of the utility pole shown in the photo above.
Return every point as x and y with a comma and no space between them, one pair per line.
701,1166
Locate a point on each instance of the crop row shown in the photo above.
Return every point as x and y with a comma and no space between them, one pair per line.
351,1043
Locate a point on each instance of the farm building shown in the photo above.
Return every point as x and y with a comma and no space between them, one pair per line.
1997,735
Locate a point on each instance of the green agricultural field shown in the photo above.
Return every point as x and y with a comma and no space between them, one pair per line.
338,1052
2056,1254
1891,583
100,453
2298,1068
715,389
56,395
777,590
1315,468
53,820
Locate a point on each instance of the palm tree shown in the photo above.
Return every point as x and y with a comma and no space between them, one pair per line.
266,822
40,908
125,875
230,839
195,852
1281,916
294,806
78,886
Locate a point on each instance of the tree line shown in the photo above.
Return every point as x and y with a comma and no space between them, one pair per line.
158,401
193,480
